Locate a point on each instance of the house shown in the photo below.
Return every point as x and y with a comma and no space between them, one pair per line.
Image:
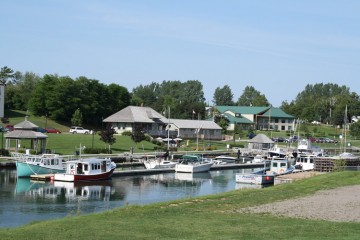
258,118
202,129
156,125
149,120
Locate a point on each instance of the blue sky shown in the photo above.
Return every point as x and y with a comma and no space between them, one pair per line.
276,46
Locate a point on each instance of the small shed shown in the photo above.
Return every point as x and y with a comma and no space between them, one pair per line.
260,142
26,131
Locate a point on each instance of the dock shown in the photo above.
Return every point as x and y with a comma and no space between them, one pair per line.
134,172
42,177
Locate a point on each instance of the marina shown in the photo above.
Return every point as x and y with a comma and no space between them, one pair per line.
142,187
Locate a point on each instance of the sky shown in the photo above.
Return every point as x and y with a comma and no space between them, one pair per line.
276,46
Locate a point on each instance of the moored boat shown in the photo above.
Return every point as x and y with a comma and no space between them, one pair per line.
159,164
193,164
88,169
225,159
27,165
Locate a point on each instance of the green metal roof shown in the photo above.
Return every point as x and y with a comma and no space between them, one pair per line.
264,111
242,109
233,119
277,113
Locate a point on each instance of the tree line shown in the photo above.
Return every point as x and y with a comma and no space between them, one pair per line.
60,97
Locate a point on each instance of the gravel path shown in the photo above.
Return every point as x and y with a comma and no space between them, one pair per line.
338,205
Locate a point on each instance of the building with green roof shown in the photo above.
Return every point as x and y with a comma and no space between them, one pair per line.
258,118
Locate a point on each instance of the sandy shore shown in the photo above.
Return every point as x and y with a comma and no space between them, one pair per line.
339,205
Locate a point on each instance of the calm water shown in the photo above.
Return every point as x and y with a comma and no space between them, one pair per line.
23,200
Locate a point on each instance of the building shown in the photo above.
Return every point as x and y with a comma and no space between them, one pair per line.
257,118
148,119
202,129
156,125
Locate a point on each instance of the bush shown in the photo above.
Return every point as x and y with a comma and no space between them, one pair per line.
4,152
126,133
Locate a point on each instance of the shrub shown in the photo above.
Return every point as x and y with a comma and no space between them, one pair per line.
97,151
126,133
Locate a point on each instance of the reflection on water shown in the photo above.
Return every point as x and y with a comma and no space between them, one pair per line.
23,200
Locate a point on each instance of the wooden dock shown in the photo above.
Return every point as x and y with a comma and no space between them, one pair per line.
42,177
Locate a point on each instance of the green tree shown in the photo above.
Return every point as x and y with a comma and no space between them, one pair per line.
137,134
223,96
107,136
6,74
355,130
77,118
252,97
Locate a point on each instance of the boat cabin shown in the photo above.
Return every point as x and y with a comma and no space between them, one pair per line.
90,166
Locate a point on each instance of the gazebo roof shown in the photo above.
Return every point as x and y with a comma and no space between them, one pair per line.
24,134
25,125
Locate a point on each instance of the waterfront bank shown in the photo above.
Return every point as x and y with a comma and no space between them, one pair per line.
207,217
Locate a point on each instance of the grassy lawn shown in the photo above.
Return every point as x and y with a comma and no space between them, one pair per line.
208,217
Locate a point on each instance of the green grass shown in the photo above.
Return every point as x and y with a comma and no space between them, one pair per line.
208,217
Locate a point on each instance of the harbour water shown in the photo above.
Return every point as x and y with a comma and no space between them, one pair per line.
23,201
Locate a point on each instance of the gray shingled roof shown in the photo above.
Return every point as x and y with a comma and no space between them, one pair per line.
195,124
25,125
24,134
261,138
133,114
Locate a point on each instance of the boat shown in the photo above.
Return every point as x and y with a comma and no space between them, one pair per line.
193,164
277,151
279,166
224,160
159,164
87,169
305,161
258,159
27,165
272,167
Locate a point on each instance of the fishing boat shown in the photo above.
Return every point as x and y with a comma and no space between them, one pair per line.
27,165
224,160
159,164
193,164
87,169
272,167
305,161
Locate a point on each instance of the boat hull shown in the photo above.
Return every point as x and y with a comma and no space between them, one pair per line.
159,165
66,177
255,179
24,169
193,168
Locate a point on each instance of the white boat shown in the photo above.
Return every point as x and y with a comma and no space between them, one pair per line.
159,164
223,159
88,169
279,166
277,152
258,159
272,167
27,165
305,161
193,164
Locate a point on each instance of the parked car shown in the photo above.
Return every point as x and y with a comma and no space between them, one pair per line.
9,127
52,130
39,129
75,130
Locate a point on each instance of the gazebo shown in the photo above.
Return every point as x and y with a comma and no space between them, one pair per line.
26,131
260,142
